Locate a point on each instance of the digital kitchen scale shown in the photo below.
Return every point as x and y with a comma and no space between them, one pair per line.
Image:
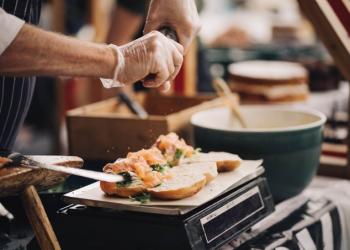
208,226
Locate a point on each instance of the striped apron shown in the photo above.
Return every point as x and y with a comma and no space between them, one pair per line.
16,92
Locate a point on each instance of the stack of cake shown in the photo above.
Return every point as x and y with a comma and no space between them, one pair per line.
272,81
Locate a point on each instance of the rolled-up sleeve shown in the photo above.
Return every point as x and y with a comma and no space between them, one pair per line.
10,25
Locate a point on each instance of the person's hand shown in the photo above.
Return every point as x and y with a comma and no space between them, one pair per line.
179,15
153,58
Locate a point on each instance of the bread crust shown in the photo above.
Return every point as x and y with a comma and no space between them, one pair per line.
210,176
111,188
227,165
178,193
224,161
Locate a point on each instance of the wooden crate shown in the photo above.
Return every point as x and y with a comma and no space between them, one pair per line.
107,130
331,22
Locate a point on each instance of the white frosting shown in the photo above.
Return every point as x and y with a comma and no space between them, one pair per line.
268,70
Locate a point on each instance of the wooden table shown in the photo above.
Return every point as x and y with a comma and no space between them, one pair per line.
25,182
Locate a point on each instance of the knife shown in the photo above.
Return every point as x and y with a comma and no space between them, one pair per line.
26,161
170,33
133,105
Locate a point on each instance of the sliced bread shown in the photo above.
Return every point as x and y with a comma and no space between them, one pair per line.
132,188
224,161
208,169
184,183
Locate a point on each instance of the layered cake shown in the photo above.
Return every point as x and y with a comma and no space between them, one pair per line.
272,81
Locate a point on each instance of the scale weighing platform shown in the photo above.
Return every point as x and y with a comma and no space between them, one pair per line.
89,225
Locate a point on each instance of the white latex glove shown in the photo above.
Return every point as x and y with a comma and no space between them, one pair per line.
153,54
179,15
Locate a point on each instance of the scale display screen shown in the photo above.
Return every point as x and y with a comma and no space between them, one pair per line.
232,214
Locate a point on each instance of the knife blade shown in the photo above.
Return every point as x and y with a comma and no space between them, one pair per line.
133,105
25,161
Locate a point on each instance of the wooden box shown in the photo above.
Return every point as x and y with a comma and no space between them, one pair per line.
107,130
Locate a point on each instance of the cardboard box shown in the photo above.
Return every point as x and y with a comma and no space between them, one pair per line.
107,130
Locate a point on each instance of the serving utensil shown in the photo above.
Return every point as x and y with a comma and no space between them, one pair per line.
25,161
231,100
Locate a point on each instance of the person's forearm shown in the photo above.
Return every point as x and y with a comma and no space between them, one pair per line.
38,52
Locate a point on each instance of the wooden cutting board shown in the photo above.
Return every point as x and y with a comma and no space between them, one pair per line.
14,179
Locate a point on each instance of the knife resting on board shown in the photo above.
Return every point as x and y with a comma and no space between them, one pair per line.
18,159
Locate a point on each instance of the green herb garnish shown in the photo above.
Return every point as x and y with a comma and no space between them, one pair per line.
142,198
160,167
178,154
197,150
127,180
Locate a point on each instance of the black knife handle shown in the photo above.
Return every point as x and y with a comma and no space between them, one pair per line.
169,33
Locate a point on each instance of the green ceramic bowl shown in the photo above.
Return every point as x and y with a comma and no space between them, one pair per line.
287,139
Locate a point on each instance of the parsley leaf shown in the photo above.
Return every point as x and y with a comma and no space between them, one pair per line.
178,154
127,180
197,150
142,198
160,167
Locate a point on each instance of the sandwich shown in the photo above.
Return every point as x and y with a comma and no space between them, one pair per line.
169,170
224,161
183,184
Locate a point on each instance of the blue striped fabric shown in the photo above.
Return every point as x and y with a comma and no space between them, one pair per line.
16,92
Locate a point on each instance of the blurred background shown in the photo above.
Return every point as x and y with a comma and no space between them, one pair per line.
237,42
232,31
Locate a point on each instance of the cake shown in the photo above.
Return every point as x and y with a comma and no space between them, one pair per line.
272,81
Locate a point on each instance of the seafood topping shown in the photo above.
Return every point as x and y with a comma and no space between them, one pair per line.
173,148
